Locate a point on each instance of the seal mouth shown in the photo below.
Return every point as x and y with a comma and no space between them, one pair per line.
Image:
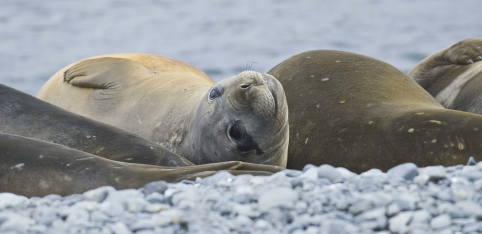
270,82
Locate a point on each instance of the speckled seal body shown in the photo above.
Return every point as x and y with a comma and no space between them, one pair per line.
241,118
357,112
454,75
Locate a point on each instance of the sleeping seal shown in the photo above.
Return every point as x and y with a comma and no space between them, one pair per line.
353,111
32,167
27,116
454,76
242,118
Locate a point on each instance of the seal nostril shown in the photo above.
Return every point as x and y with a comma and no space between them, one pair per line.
245,86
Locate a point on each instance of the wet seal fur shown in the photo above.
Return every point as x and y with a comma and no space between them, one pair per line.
242,118
353,111
454,75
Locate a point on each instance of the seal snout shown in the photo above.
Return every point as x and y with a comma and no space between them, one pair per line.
254,93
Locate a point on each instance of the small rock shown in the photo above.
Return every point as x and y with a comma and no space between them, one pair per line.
469,228
308,166
10,200
469,208
398,223
329,172
98,194
407,171
98,216
309,174
111,208
262,225
393,209
372,214
119,228
421,179
136,204
155,198
360,206
345,173
78,216
156,186
478,185
440,221
405,202
15,223
292,173
277,197
435,173
87,205
153,208
461,188
471,162
421,216
242,223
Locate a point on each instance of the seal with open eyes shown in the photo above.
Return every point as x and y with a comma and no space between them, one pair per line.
242,118
357,112
454,76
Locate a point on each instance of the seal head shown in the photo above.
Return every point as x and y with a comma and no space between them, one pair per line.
245,118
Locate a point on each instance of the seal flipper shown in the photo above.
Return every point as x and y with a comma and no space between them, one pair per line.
429,70
104,73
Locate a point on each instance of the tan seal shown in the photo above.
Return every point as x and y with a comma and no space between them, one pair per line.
241,118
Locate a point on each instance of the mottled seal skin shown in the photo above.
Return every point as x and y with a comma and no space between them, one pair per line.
37,168
242,118
353,111
454,76
24,115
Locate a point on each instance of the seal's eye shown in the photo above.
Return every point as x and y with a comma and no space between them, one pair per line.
214,94
234,133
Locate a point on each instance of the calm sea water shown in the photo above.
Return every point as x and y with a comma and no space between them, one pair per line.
220,37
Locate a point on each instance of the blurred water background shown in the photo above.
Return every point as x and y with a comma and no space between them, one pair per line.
37,38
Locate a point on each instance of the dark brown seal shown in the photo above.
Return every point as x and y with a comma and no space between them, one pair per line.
353,111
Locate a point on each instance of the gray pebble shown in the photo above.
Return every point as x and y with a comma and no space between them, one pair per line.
399,223
135,204
407,171
156,186
309,174
435,173
469,208
360,206
461,188
10,200
471,162
119,228
277,197
421,216
308,166
440,221
292,173
98,194
329,172
111,208
15,223
98,216
155,198
478,185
